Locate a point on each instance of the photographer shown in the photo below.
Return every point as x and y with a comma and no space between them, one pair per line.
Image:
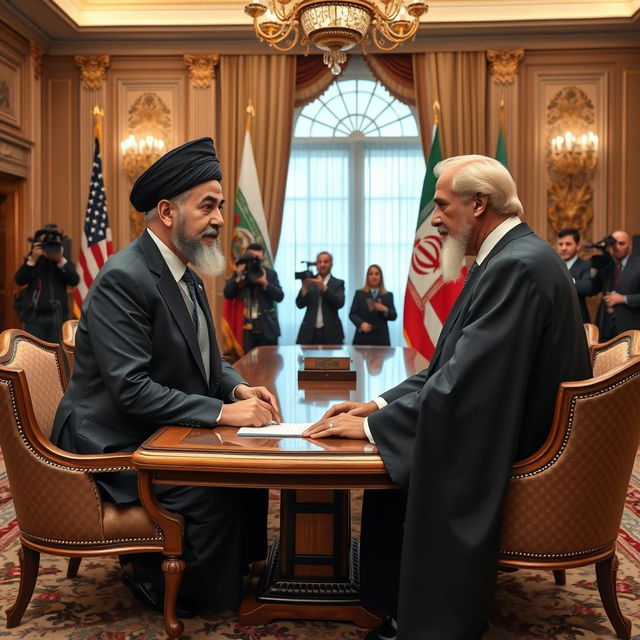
42,305
323,296
618,277
258,287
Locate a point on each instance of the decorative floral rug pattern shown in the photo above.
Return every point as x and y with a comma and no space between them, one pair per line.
96,606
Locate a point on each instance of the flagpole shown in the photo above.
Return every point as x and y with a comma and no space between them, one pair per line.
251,112
502,112
436,113
98,114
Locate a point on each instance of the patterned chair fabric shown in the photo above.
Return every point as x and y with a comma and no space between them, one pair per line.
58,506
564,504
607,355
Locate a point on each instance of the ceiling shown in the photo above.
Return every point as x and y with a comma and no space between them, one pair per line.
66,26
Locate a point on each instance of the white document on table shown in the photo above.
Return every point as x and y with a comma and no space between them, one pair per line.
282,430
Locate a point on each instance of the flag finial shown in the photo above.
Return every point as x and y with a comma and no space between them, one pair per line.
251,112
98,114
436,112
502,112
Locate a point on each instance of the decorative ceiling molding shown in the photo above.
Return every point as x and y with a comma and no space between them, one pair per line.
114,13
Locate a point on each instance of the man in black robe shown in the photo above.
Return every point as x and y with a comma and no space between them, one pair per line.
449,435
146,355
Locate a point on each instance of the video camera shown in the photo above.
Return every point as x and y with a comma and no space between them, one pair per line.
600,261
51,239
307,273
253,270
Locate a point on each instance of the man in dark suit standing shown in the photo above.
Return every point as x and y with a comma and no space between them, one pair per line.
579,269
323,296
146,355
449,435
619,280
258,287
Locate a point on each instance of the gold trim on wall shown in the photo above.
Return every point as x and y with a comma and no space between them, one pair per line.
504,65
201,68
92,70
570,189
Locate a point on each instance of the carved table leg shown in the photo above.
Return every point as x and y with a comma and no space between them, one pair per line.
173,569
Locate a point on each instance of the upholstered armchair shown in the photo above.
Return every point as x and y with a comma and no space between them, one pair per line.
564,503
618,350
58,505
69,329
593,333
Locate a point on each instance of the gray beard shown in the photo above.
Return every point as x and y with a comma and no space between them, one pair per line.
207,259
452,255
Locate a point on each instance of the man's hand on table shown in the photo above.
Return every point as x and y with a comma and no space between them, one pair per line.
362,409
256,407
344,425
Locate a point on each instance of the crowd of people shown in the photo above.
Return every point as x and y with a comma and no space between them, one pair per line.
146,354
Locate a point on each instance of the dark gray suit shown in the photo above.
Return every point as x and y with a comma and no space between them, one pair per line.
138,366
624,316
331,300
581,272
451,433
360,313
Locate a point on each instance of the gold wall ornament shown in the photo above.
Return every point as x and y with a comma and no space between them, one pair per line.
504,65
335,26
37,52
572,155
201,68
92,70
149,126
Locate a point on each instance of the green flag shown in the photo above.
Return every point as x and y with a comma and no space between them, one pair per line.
501,149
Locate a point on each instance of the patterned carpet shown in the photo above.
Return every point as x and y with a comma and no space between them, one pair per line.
95,606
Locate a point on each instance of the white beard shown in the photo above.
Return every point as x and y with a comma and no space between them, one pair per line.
207,259
452,255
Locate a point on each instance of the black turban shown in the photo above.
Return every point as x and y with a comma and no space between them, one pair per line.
177,171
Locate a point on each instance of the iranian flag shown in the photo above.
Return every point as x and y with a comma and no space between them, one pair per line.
249,225
428,298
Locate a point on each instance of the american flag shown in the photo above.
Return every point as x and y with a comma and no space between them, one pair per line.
96,239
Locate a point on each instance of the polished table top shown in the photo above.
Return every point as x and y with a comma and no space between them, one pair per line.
286,462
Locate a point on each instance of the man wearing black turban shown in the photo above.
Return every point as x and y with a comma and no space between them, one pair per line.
146,355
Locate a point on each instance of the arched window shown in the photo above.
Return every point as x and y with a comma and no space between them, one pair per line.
353,189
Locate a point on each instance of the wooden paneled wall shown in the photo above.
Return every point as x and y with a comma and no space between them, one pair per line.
55,131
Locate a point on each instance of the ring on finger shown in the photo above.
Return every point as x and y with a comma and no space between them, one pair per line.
331,425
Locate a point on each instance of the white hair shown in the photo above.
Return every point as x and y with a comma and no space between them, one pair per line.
478,174
178,200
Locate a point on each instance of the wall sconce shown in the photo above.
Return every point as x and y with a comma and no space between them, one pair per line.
572,155
138,154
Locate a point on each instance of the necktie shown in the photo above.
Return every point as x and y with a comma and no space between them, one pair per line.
374,294
474,267
616,276
190,281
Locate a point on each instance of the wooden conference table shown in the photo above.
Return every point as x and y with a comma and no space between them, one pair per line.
312,570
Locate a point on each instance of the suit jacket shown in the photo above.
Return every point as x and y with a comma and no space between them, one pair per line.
625,316
360,313
137,363
581,272
331,300
265,298
450,434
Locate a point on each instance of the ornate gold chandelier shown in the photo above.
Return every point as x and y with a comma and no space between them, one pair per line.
335,26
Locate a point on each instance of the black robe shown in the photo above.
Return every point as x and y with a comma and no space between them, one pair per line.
450,434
